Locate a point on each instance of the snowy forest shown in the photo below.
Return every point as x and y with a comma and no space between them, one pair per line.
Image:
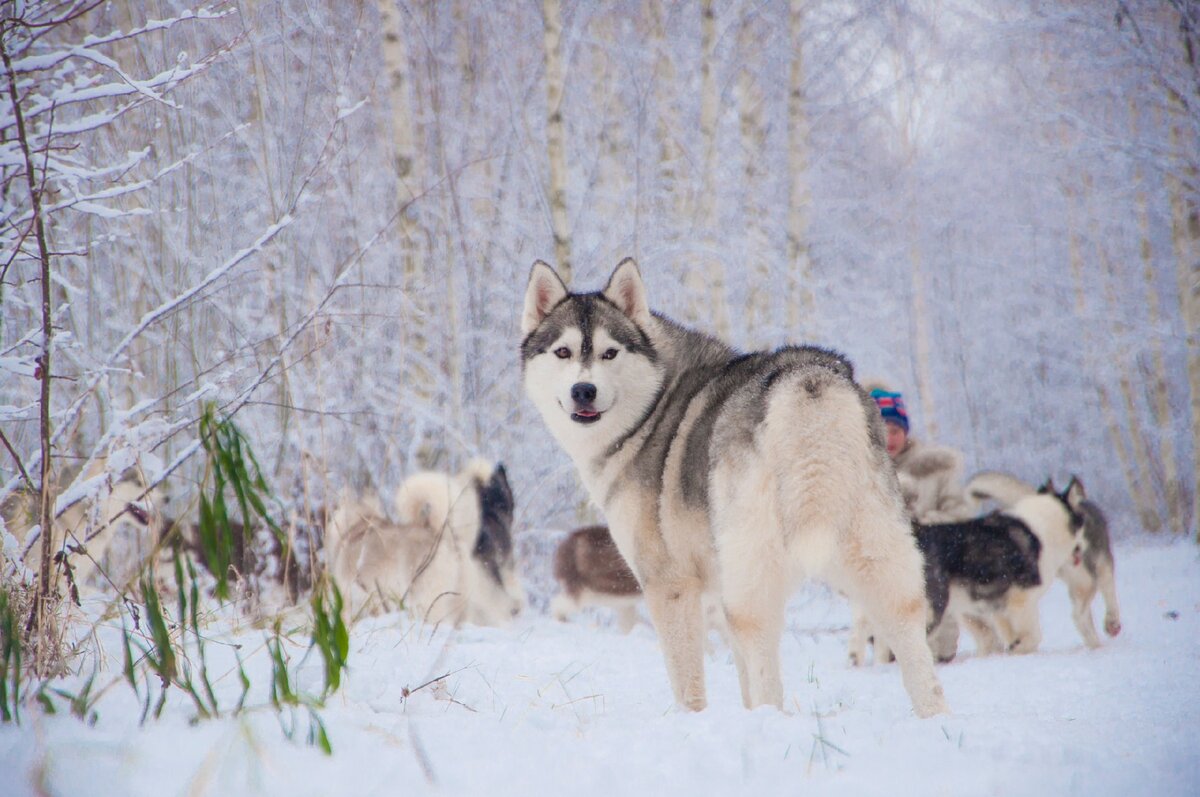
315,220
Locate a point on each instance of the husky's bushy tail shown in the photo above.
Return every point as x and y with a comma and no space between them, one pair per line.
1003,488
438,501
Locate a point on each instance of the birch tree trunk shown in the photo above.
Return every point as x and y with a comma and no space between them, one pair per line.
1185,235
669,190
1185,240
1161,404
406,163
1142,494
404,139
709,269
753,135
1112,422
435,452
555,147
910,222
800,301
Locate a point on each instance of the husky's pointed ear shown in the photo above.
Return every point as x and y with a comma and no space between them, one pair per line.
545,290
626,290
1047,487
500,477
1074,495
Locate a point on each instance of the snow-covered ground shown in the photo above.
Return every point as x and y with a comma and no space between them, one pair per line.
549,708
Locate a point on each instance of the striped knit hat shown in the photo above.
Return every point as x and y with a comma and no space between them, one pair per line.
891,407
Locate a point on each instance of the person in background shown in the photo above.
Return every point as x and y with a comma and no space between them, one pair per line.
930,476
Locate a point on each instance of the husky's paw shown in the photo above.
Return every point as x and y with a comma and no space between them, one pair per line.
933,705
1023,645
1112,626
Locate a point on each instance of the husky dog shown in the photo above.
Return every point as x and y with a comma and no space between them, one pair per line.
972,570
725,474
448,558
591,572
102,539
1093,570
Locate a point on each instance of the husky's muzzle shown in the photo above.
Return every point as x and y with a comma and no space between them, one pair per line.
584,396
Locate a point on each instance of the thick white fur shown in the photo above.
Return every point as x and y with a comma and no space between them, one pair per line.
425,559
801,507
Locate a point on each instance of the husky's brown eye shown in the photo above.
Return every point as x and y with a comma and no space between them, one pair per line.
608,354
562,352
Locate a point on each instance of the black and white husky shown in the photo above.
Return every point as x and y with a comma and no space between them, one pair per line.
990,573
972,570
726,477
447,558
1093,570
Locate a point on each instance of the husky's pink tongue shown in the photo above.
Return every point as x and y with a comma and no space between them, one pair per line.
586,413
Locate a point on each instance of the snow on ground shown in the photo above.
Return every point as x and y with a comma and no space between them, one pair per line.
549,708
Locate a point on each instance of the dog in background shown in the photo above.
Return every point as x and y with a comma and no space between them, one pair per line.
1091,572
102,537
447,558
591,572
989,574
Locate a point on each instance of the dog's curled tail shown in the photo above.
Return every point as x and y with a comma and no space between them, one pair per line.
436,501
1003,488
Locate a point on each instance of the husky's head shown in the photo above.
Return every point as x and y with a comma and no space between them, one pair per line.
1072,499
588,361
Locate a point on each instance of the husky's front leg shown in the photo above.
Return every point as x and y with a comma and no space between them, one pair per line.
675,609
889,583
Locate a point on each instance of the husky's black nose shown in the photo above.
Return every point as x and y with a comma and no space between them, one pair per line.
583,392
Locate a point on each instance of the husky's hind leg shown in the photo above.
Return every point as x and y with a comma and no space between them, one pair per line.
751,562
1105,577
886,576
754,609
1082,588
675,609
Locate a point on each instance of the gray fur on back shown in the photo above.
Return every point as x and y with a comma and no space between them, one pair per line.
734,388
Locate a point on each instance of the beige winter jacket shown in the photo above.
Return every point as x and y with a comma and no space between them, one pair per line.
931,481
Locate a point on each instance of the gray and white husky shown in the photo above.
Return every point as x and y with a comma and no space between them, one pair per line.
1092,570
727,475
